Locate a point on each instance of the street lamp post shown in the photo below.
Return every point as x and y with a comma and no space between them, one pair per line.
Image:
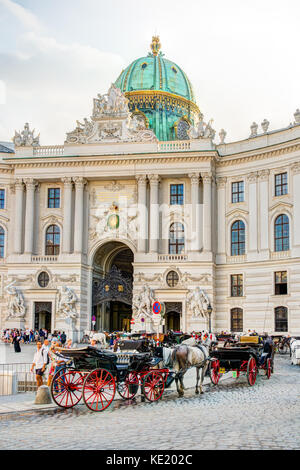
209,311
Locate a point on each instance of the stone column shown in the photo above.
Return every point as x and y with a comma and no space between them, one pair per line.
29,215
264,209
143,213
195,214
221,185
296,199
78,221
207,180
68,185
154,213
252,231
19,189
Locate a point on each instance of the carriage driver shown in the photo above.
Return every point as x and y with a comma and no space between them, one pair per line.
267,349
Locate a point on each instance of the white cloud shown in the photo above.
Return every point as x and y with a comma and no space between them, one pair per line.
26,17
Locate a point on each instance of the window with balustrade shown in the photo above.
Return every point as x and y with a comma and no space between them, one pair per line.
53,198
238,238
281,318
52,240
2,242
281,233
236,320
176,238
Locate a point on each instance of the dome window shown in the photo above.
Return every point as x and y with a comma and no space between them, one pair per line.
174,70
144,65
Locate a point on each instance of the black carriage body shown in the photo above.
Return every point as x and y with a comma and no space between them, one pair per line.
234,358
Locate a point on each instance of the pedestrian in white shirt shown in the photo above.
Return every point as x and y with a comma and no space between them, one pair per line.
39,362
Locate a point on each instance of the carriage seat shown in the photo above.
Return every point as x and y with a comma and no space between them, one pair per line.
249,339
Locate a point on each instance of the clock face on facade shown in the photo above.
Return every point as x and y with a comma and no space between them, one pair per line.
182,128
113,221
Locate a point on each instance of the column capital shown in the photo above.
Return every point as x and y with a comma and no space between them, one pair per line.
263,175
79,181
68,183
252,177
18,184
207,177
296,168
154,179
30,183
141,179
221,182
194,177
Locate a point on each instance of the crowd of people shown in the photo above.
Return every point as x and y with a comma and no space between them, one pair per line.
28,336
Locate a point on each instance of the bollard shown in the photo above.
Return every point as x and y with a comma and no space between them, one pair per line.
43,396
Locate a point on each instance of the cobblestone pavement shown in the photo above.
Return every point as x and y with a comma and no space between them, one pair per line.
229,416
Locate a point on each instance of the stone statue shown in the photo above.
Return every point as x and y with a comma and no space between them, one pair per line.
201,130
197,303
66,303
26,138
113,103
16,306
253,129
142,302
265,125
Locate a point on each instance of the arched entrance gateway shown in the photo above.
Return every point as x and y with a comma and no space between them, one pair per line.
112,286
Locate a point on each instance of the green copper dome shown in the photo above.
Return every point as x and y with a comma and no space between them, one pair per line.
160,91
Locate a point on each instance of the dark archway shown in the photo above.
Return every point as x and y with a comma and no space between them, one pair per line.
112,287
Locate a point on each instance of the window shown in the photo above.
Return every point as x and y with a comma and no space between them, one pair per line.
176,194
237,191
238,238
236,315
280,283
281,185
2,198
2,241
172,278
281,319
43,279
236,285
282,233
52,240
53,198
176,238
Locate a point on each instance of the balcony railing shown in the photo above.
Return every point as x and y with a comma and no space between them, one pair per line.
48,151
172,146
44,259
280,254
236,259
176,258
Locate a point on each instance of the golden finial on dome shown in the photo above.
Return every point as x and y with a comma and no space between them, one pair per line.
155,45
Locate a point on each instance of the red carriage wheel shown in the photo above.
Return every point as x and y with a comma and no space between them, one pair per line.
153,386
66,387
214,371
128,388
99,389
251,371
268,368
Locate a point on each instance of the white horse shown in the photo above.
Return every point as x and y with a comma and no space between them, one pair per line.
295,351
100,338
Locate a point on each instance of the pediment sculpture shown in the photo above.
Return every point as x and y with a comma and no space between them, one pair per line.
197,303
111,121
201,130
26,138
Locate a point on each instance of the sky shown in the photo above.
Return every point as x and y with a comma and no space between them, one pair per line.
241,56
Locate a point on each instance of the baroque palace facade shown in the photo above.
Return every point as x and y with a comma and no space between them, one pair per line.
141,204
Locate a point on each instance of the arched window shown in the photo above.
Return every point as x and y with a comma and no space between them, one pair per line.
176,238
52,240
238,238
281,319
2,241
281,232
236,319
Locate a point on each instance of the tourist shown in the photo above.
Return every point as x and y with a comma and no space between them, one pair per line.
16,342
39,363
63,338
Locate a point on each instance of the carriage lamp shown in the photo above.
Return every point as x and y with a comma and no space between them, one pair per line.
209,311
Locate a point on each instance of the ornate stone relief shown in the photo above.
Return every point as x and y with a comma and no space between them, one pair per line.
26,138
142,301
111,121
197,303
16,305
201,130
67,299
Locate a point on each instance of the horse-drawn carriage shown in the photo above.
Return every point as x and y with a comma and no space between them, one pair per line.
95,375
243,357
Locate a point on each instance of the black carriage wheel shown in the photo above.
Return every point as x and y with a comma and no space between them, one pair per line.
66,387
128,388
153,386
99,389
